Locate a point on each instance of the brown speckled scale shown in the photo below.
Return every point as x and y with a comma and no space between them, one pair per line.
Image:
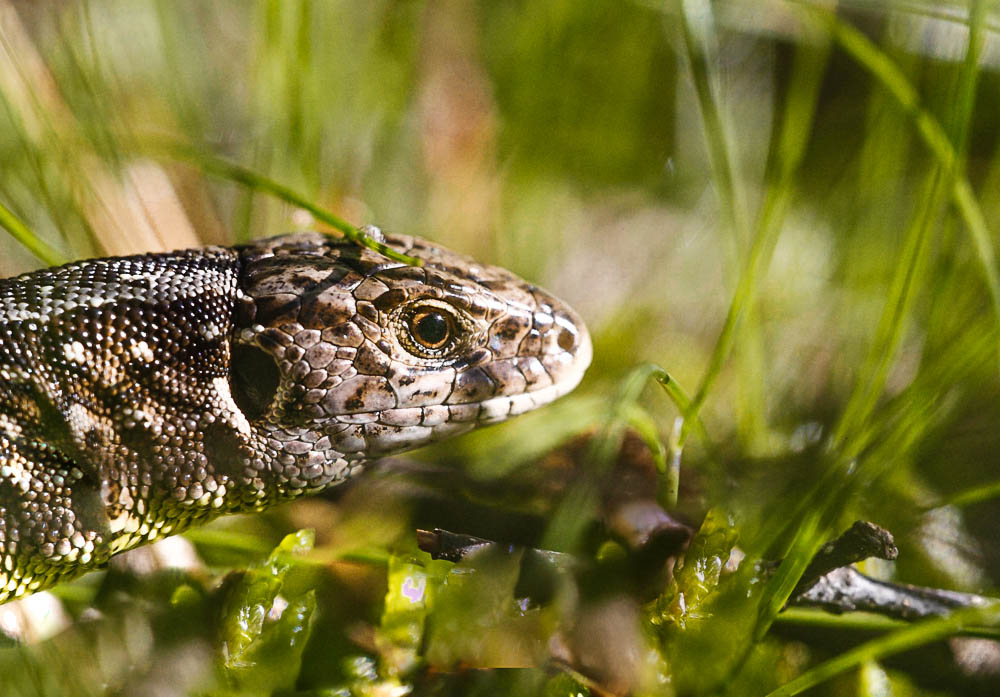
142,395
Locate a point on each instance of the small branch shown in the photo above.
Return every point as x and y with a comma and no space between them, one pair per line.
830,582
846,590
861,541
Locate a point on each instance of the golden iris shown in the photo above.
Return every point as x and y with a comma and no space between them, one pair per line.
431,329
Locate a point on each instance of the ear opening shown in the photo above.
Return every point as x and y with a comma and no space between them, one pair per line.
254,378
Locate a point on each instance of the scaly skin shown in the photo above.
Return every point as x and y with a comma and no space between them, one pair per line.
142,395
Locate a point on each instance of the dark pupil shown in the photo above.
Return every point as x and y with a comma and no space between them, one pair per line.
432,329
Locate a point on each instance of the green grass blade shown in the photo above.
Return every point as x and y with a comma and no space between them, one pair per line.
947,12
887,73
906,282
577,507
811,524
787,154
219,167
809,536
974,495
865,622
27,237
896,642
698,32
969,79
682,401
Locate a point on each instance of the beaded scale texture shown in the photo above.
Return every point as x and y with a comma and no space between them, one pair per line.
142,395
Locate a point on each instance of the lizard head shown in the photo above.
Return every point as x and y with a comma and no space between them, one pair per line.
340,353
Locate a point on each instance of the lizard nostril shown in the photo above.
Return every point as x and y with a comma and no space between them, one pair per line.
253,379
566,339
568,336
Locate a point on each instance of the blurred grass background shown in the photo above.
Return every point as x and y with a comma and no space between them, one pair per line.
816,183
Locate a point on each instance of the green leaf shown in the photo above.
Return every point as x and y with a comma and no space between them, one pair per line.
263,630
697,576
409,599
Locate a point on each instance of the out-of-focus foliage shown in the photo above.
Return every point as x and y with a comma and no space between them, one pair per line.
789,205
696,579
263,624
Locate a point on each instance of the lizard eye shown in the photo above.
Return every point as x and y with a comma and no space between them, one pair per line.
430,329
254,380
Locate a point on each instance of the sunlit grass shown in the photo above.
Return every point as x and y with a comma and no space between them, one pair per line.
786,205
237,174
25,236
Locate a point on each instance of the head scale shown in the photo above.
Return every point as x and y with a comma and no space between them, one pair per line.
340,354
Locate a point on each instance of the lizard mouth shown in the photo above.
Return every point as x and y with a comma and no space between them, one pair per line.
565,368
489,393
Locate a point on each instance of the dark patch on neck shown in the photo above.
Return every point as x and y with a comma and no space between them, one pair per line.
140,441
55,430
227,451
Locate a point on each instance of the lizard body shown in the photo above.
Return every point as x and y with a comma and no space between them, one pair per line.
142,395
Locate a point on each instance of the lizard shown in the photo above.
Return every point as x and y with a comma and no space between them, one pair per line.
143,395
